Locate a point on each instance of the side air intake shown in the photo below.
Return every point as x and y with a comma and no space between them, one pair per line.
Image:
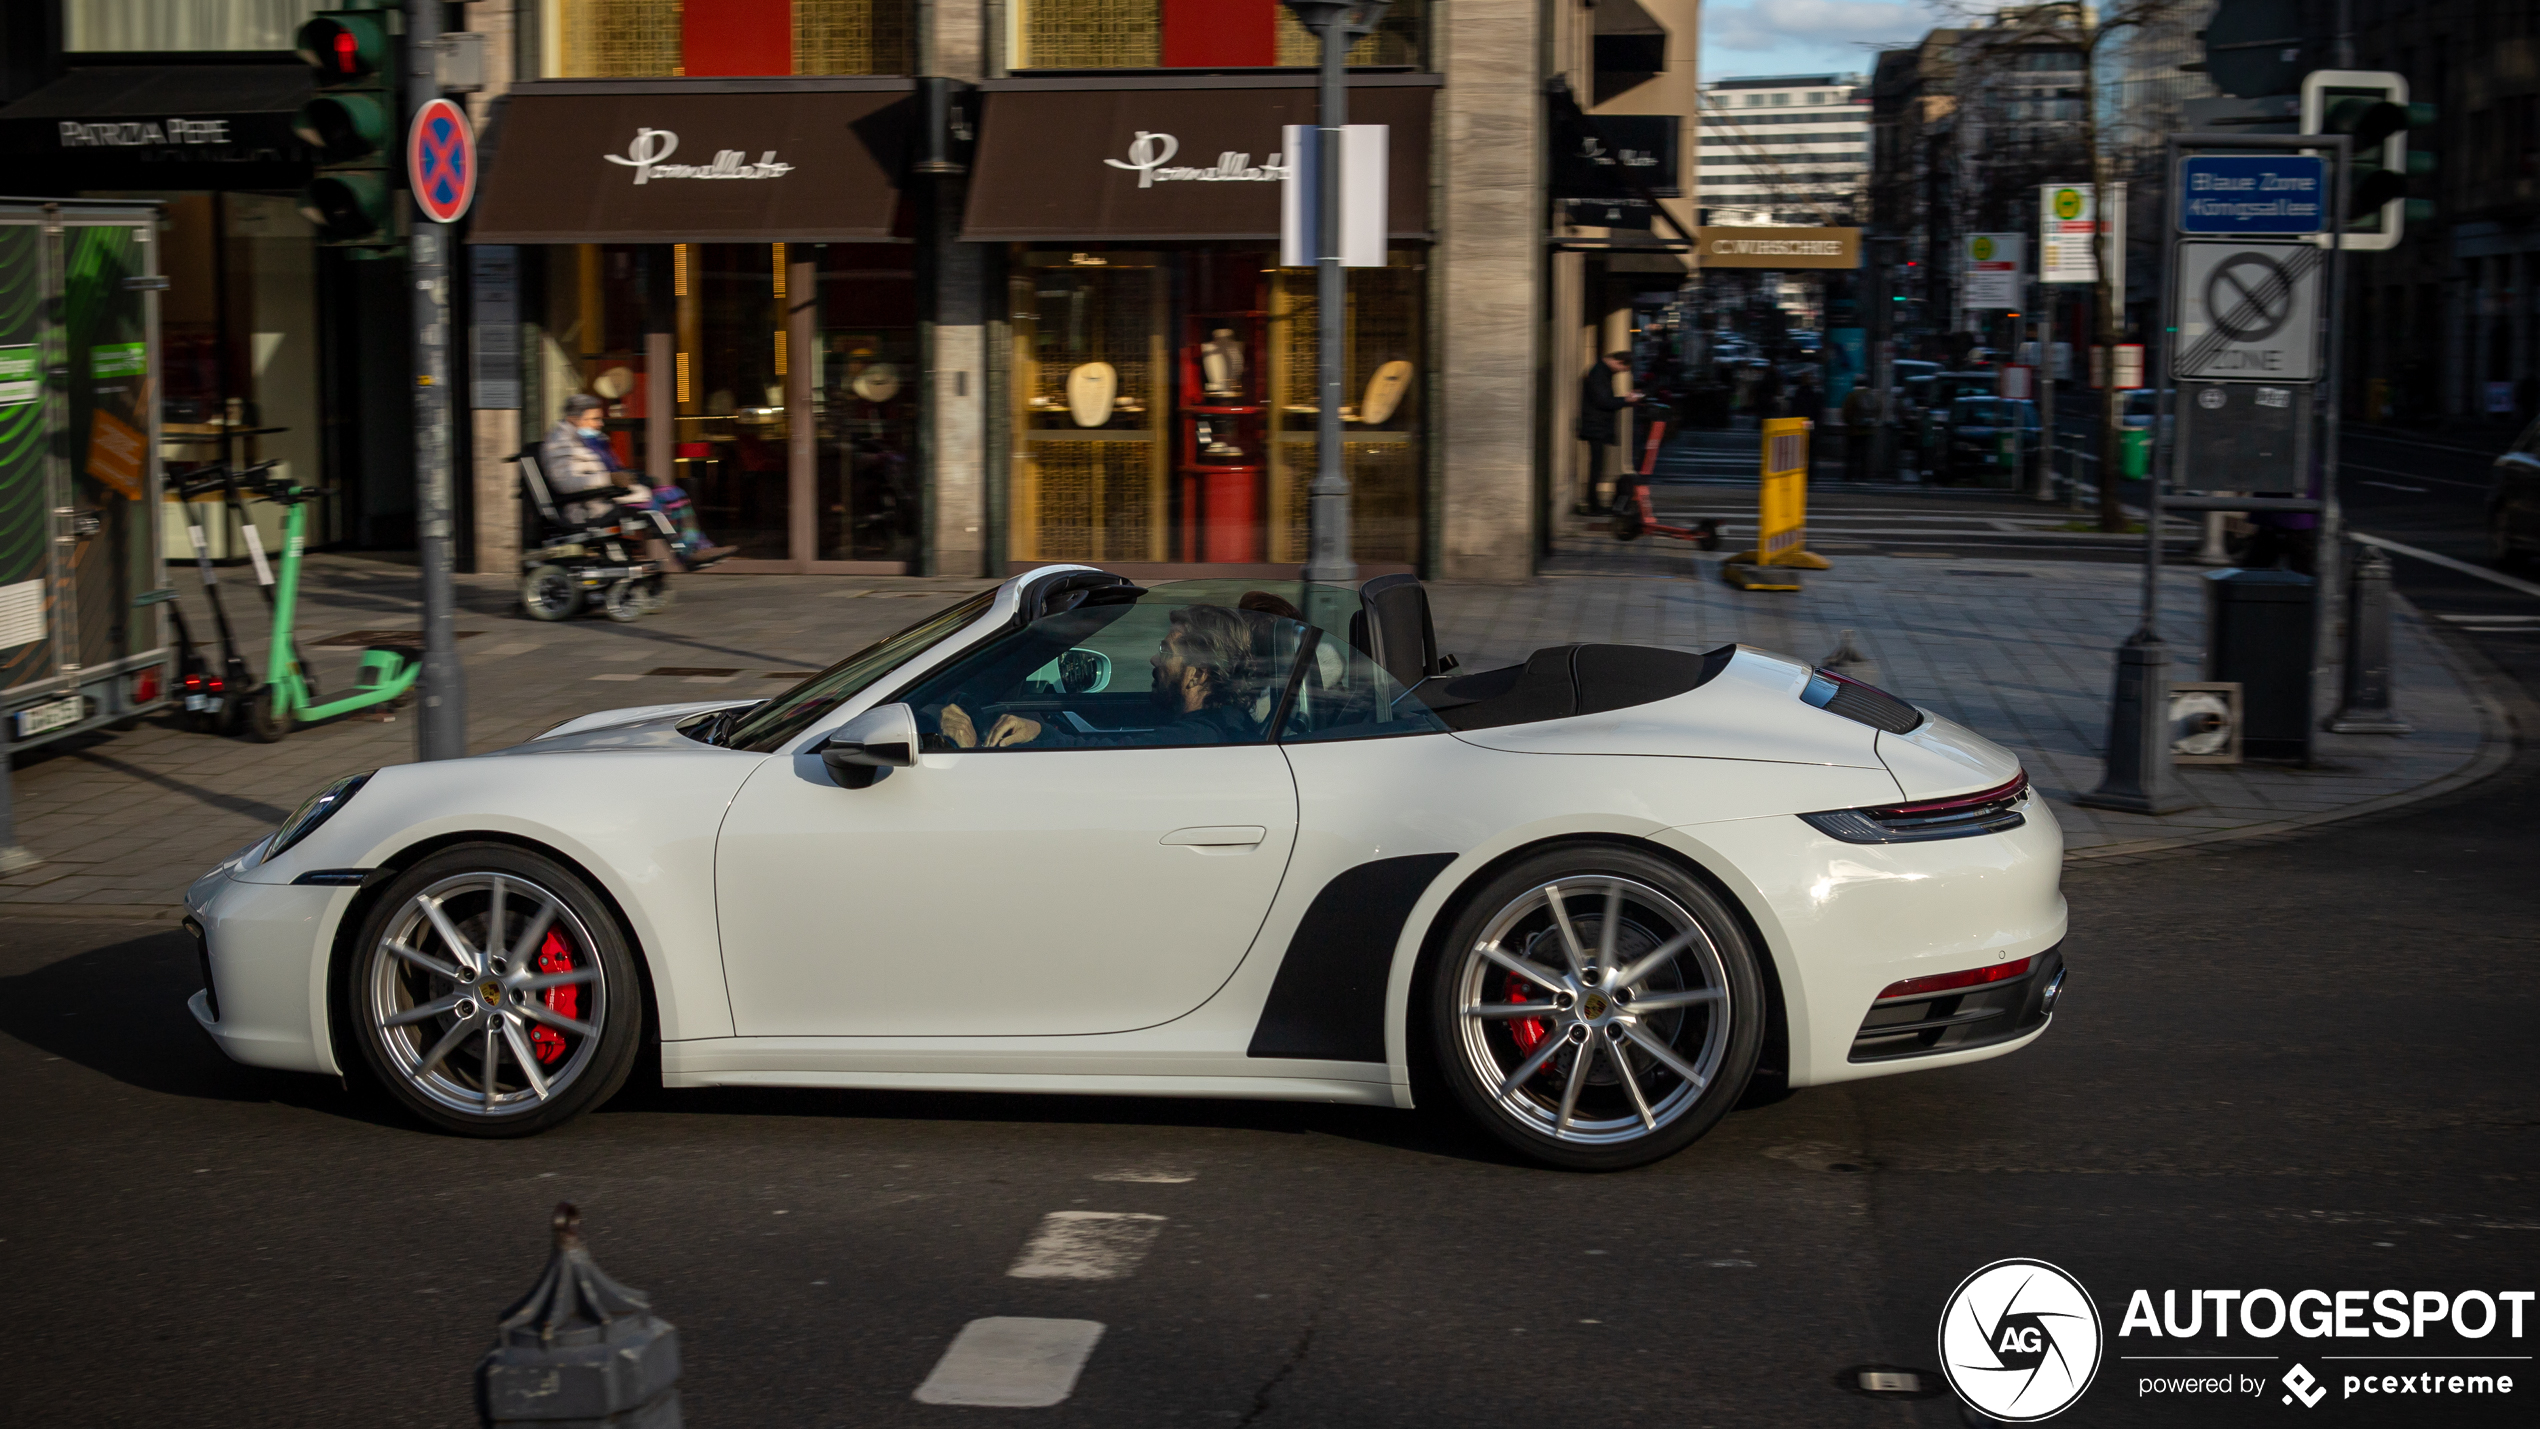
1860,703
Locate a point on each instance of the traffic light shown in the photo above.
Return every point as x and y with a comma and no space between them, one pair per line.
2371,108
351,123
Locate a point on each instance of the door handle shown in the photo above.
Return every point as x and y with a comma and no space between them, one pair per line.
1219,836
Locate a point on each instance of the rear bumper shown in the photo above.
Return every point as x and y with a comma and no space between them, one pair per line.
1907,1029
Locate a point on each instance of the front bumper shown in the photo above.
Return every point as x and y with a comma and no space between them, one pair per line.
263,952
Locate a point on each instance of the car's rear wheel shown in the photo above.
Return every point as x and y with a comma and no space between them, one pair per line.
1595,1007
493,993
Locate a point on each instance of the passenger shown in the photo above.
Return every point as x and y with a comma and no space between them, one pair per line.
1205,681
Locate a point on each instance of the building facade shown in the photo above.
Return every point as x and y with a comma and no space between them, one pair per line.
1785,149
957,286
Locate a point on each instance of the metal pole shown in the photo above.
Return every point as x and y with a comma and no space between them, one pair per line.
2328,547
441,725
1327,515
2045,379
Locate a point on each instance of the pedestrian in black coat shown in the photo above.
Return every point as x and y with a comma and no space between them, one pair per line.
1598,402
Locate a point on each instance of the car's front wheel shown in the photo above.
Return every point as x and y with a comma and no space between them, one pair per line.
493,994
1595,1007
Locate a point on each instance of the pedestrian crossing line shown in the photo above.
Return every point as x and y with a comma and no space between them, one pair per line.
1086,1245
1011,1362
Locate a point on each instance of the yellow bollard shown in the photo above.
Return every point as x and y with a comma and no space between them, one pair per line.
1782,514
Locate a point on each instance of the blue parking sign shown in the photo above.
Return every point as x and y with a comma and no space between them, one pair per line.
2252,193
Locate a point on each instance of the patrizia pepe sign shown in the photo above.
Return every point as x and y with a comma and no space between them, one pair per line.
652,147
1151,159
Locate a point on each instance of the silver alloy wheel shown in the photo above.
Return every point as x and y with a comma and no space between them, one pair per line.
487,994
1593,1009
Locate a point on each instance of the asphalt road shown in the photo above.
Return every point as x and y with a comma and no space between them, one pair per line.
2298,1065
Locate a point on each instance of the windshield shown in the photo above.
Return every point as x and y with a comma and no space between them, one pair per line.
789,714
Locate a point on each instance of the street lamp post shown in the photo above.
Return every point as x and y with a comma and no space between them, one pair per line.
1336,24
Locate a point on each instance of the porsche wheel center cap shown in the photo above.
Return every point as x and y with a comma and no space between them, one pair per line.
492,992
1592,1006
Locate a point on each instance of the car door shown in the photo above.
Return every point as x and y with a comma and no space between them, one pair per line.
1099,878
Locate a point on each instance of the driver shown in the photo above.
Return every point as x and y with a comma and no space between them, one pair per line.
1204,679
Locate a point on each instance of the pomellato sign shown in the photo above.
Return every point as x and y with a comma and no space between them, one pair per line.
648,154
1151,159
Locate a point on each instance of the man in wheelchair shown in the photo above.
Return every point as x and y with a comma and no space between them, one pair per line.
577,457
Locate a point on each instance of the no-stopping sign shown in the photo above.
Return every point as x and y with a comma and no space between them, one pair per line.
2248,312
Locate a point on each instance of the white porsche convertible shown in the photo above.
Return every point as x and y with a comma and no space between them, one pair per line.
1212,838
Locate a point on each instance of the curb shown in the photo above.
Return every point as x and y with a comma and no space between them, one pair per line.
2491,693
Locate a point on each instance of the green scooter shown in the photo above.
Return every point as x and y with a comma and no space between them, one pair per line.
289,693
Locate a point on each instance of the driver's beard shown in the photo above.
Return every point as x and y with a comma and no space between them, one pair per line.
1166,694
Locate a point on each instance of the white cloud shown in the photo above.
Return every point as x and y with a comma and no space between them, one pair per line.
1788,36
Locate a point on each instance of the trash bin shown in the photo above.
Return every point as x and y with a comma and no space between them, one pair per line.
2135,451
2258,631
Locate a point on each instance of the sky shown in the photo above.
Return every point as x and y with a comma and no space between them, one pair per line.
1751,37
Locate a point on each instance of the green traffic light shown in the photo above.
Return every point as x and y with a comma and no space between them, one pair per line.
342,127
346,206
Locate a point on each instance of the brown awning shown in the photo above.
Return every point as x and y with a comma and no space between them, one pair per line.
694,168
1156,164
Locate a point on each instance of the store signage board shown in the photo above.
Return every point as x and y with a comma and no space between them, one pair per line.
2248,312
441,161
2068,226
1624,156
1740,247
2252,193
1991,263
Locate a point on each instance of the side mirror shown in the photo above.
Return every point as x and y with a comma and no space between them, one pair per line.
878,739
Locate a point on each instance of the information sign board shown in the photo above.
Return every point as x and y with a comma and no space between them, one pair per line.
2247,312
2252,193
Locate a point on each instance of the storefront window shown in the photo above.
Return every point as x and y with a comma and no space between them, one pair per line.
1229,34
657,38
1164,408
865,391
732,425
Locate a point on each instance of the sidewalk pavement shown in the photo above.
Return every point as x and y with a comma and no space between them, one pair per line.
2020,650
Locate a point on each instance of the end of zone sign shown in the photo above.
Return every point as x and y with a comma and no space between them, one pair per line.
441,161
2252,193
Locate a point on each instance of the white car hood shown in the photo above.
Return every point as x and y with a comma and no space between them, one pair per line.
642,727
634,714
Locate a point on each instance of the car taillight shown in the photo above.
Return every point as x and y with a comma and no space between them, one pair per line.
1987,811
1860,703
1950,982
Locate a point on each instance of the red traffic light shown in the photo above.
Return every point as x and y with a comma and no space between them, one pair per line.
344,46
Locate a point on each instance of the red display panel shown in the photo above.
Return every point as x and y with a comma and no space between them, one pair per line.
737,37
1219,34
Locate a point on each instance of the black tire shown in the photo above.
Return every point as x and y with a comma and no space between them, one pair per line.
549,592
264,719
1712,1025
561,1027
624,602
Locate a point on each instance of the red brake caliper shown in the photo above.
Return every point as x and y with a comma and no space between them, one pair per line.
552,958
1529,1032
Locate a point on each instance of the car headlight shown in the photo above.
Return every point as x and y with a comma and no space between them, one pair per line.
315,810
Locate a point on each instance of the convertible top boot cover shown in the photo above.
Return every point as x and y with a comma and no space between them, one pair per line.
1560,681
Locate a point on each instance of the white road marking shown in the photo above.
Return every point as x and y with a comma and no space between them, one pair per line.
2394,486
1008,1362
617,677
2492,619
1086,1245
1150,1176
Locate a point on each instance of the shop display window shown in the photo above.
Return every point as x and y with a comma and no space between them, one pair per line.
865,393
732,426
1163,405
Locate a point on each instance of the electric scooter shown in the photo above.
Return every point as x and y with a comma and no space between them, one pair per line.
288,696
212,700
1640,514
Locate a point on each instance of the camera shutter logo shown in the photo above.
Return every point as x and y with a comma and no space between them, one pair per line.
2020,1340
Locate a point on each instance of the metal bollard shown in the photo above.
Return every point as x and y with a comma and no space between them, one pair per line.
580,1351
2142,773
2363,705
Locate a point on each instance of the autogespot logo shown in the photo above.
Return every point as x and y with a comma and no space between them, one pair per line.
2019,1340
